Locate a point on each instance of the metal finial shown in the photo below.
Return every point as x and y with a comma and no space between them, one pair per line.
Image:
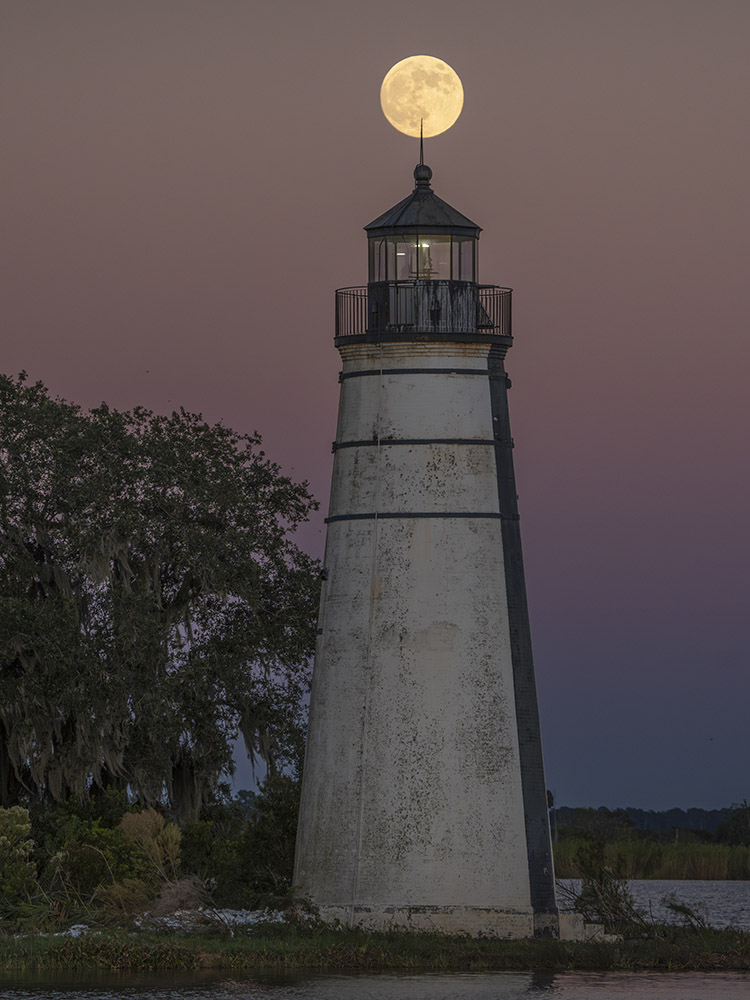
421,142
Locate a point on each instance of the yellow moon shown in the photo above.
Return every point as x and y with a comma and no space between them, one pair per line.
421,87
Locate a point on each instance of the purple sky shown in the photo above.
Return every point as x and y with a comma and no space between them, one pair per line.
184,185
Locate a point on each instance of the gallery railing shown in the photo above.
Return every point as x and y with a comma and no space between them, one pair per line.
423,307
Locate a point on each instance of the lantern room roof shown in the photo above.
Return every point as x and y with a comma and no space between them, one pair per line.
422,212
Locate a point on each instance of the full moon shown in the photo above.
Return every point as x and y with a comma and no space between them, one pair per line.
421,88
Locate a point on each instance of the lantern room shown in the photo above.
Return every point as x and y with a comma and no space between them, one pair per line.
423,276
422,239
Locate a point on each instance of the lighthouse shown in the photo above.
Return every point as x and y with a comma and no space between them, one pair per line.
423,803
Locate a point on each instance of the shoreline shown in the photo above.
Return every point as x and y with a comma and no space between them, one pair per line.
285,948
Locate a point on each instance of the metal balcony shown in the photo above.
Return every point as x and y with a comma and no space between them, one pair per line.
406,307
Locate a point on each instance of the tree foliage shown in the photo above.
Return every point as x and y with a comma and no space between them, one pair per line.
735,829
152,603
17,870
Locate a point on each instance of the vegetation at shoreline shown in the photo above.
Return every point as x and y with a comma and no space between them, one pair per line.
648,854
294,947
302,942
109,863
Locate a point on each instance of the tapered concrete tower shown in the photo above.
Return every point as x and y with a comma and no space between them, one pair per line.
423,799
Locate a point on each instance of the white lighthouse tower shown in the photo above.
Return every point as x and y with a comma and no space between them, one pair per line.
423,801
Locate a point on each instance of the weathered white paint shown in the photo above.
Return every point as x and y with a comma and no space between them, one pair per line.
412,811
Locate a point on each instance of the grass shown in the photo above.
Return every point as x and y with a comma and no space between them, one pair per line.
650,860
282,947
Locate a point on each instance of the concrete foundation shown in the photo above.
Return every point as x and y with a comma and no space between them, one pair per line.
472,921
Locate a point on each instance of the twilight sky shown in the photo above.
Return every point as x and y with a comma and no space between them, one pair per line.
183,187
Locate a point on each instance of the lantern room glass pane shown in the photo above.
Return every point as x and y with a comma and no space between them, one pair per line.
464,265
468,260
434,258
405,259
376,268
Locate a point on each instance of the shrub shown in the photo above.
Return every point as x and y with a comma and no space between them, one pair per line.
157,841
212,852
271,834
604,896
123,899
17,870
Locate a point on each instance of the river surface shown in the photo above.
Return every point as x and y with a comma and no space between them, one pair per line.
430,986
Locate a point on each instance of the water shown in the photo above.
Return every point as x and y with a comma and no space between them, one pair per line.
724,904
454,986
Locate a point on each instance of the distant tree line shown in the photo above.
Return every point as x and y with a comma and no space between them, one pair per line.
657,850
707,820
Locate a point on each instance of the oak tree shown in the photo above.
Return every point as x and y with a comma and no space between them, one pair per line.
153,604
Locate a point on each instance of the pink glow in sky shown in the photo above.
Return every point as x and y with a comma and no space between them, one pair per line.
184,185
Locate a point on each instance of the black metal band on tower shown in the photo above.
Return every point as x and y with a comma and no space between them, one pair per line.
536,815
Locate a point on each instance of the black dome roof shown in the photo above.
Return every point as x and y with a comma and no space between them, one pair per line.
422,212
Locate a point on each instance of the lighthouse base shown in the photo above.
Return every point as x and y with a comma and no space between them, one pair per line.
474,921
